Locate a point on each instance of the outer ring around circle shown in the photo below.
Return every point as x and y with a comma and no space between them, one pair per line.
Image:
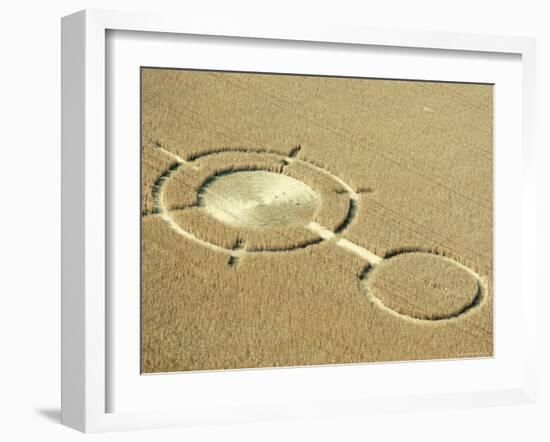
166,213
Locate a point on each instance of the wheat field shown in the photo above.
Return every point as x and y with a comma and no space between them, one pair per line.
299,220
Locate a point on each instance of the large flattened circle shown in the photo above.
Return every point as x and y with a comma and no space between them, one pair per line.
423,286
258,198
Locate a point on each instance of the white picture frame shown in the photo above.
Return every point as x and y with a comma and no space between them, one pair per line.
86,315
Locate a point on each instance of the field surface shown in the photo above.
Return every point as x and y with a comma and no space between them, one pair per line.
300,220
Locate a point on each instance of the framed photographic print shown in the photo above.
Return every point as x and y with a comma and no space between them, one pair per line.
262,222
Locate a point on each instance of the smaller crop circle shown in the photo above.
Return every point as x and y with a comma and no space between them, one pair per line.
423,286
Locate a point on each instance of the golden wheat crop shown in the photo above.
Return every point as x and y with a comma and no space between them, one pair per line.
401,170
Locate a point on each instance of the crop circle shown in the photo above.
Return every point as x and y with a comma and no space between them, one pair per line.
241,201
258,198
424,286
